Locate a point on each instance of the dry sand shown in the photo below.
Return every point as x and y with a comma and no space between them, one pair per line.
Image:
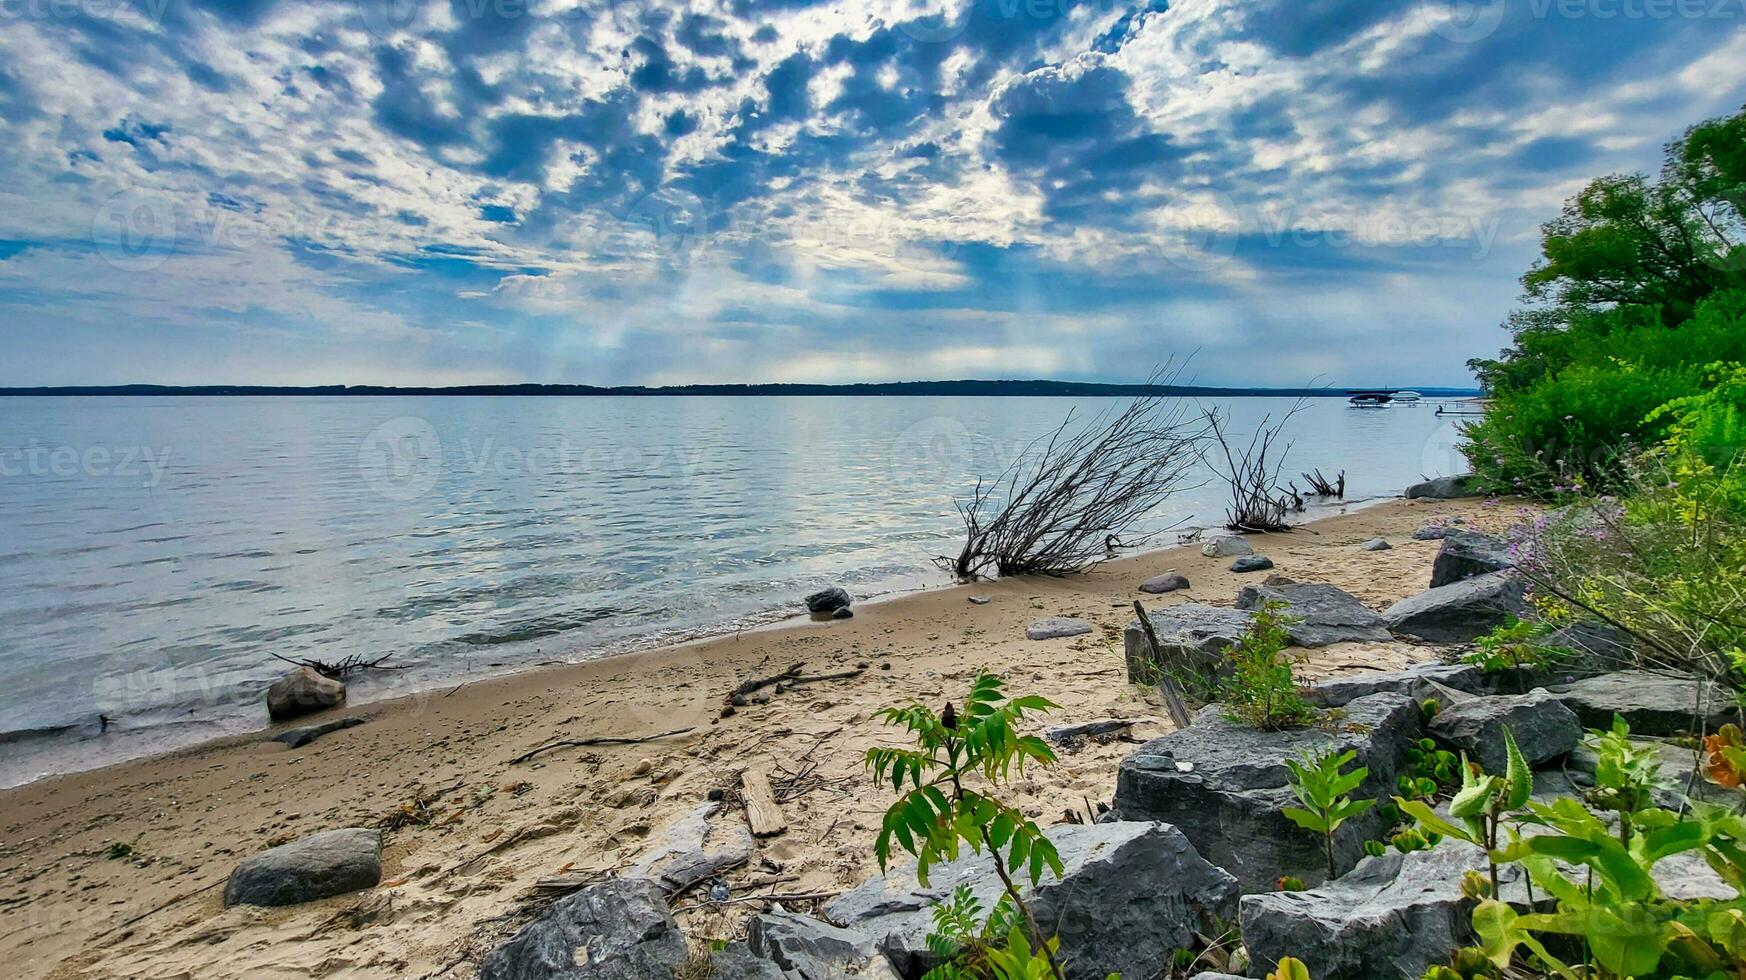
456,885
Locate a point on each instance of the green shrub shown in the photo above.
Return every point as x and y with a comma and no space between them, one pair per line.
1326,795
1262,691
1516,644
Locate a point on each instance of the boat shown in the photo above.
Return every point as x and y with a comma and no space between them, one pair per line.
1369,399
1407,396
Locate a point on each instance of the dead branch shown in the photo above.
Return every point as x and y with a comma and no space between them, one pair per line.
1321,486
801,897
1257,503
738,694
340,669
1070,493
1166,684
570,743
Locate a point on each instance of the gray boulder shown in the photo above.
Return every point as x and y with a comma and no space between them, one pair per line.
1160,584
828,601
1223,784
1544,728
1323,613
1444,488
1460,611
1252,563
1430,532
1229,546
310,868
1651,703
736,961
1132,893
303,691
1599,646
1445,682
616,930
1376,544
1055,627
1469,554
1392,916
804,948
1190,633
296,738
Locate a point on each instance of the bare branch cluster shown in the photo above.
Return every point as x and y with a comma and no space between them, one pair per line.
1258,502
1070,494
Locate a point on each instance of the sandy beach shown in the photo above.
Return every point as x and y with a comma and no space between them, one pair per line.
460,877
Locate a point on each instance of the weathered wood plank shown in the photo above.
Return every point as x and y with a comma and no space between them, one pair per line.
762,810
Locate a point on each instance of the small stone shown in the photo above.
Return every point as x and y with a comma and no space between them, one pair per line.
1252,563
1430,532
307,869
979,600
1376,544
843,613
301,692
1055,627
296,738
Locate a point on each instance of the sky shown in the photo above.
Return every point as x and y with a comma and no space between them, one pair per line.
490,191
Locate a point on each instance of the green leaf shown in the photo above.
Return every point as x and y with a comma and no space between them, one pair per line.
1517,776
1305,819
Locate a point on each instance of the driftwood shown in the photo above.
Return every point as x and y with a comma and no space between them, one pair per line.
1166,684
799,897
338,671
1321,486
1258,503
1073,493
1063,734
603,740
762,810
792,677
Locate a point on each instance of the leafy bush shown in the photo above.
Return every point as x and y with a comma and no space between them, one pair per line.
937,811
1481,804
1262,692
1515,645
1325,793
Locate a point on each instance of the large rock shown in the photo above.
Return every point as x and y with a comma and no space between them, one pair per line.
1252,563
616,930
1191,632
1544,728
1599,647
1444,488
1132,893
1651,703
1223,784
828,601
1323,613
1392,916
1160,584
301,692
698,845
1445,682
1461,611
1469,554
318,866
1229,546
736,961
806,949
1055,627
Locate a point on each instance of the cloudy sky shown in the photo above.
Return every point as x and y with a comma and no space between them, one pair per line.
382,191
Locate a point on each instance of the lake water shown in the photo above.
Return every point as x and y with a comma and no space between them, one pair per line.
157,551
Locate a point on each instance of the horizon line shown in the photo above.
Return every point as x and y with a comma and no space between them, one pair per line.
1037,387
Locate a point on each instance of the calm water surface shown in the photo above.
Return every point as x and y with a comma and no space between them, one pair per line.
157,551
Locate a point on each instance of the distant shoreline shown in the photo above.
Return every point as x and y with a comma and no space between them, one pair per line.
1034,389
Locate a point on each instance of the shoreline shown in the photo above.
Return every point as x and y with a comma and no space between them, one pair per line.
59,744
453,885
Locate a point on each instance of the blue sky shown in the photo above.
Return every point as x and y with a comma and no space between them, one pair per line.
474,191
